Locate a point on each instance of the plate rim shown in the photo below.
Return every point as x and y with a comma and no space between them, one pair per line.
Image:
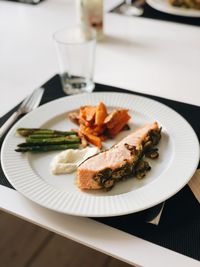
172,9
106,214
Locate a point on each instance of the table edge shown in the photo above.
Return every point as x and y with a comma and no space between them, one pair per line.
89,233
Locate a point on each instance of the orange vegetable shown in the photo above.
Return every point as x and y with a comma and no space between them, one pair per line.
103,137
101,113
94,130
96,125
87,113
98,130
116,121
95,140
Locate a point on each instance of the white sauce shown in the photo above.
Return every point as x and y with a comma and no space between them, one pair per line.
67,161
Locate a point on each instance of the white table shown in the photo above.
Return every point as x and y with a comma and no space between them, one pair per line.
144,55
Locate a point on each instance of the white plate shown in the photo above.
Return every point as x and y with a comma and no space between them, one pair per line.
30,173
164,6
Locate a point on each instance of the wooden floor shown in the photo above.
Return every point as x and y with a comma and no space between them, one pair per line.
23,244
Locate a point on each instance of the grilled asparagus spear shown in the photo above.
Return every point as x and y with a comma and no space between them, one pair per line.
38,148
44,136
42,140
36,131
52,141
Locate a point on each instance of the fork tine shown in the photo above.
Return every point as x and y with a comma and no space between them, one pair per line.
28,98
39,96
24,103
32,100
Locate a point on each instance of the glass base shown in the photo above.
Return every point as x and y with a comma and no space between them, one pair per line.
76,84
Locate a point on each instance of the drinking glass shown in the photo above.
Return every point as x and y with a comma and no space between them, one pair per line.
76,53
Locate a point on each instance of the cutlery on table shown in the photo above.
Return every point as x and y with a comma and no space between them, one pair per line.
30,103
155,214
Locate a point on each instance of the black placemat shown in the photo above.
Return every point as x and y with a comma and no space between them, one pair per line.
179,228
152,13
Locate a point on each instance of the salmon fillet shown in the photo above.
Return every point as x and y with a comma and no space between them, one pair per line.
117,161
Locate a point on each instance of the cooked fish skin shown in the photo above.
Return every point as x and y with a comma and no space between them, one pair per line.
116,163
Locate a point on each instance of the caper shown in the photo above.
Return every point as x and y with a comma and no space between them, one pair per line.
106,172
152,154
108,183
147,145
140,175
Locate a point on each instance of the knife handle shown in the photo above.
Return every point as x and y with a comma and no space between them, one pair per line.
4,128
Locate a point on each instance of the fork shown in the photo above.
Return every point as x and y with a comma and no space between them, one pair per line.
31,102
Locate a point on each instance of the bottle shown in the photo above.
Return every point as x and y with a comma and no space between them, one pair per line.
90,13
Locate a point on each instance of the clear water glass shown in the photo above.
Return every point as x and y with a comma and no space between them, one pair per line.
76,55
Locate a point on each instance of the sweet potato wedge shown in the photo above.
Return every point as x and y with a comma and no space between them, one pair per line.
98,129
95,140
96,125
116,121
101,113
94,130
87,115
